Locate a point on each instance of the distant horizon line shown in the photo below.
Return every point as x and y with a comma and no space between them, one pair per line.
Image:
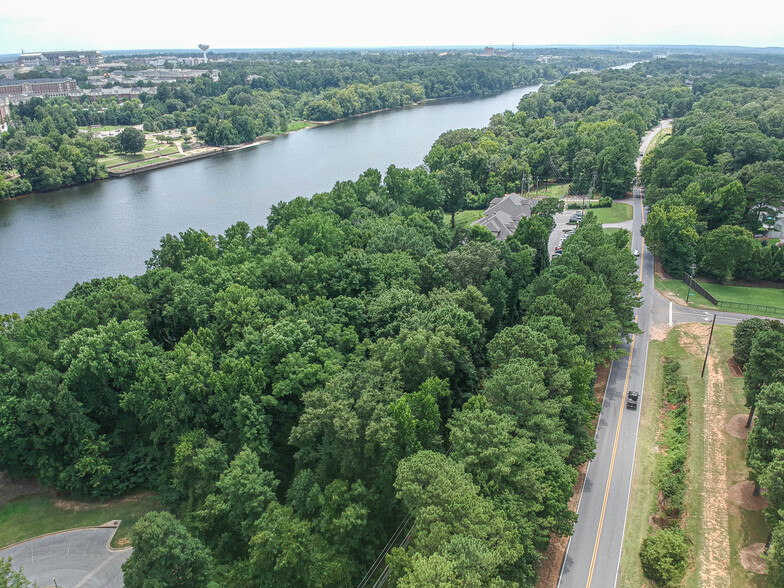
617,46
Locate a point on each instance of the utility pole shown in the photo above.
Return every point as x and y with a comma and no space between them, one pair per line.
710,337
590,191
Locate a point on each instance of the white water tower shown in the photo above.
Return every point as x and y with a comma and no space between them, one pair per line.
204,47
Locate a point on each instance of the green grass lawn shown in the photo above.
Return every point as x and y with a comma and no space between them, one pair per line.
558,190
617,213
31,516
747,295
773,297
103,129
744,527
120,158
296,125
464,217
642,500
660,137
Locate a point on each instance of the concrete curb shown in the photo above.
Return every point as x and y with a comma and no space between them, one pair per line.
107,525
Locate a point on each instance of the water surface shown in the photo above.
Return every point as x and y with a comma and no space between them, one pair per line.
51,241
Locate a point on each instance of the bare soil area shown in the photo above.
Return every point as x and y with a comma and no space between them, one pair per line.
736,426
659,332
14,488
734,367
742,494
82,505
751,558
694,337
715,570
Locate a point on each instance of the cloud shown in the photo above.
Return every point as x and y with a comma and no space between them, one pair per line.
146,24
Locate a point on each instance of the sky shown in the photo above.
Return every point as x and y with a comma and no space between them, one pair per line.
153,24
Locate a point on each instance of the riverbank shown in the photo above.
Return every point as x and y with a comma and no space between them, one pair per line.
172,159
109,228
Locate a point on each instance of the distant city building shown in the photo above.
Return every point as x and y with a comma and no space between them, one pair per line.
5,114
489,51
38,87
7,73
58,58
156,76
503,215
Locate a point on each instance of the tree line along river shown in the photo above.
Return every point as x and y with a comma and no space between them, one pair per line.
51,241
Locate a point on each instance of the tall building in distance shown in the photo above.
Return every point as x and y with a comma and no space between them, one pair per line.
58,58
204,47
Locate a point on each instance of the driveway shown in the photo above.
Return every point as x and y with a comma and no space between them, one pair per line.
76,559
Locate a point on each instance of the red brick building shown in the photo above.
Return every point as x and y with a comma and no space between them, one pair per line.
38,87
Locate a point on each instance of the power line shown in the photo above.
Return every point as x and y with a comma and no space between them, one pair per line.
388,547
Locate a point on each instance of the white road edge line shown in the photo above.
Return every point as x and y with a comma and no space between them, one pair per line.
639,415
588,469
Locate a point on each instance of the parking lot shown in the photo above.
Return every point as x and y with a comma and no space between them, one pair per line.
73,559
561,224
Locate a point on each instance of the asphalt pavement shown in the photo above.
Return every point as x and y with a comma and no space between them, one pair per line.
593,553
71,559
594,550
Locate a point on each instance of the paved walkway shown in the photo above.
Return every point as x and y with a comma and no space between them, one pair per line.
76,559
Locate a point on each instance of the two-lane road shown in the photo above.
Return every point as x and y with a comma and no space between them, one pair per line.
594,550
593,554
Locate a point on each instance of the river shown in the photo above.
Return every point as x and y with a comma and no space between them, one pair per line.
51,241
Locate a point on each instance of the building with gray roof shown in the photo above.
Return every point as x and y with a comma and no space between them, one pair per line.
503,215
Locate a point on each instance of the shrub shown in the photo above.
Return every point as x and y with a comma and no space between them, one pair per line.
665,556
604,202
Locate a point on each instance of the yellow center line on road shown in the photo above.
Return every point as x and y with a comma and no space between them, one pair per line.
617,431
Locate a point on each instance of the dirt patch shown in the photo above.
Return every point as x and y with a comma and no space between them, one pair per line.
742,494
716,556
74,505
125,541
693,339
734,367
602,375
659,332
658,270
14,488
736,426
672,297
751,558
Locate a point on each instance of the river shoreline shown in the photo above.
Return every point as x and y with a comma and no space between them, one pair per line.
102,229
263,139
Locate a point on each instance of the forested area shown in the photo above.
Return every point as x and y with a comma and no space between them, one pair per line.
718,179
257,97
291,390
586,126
758,346
46,150
295,391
